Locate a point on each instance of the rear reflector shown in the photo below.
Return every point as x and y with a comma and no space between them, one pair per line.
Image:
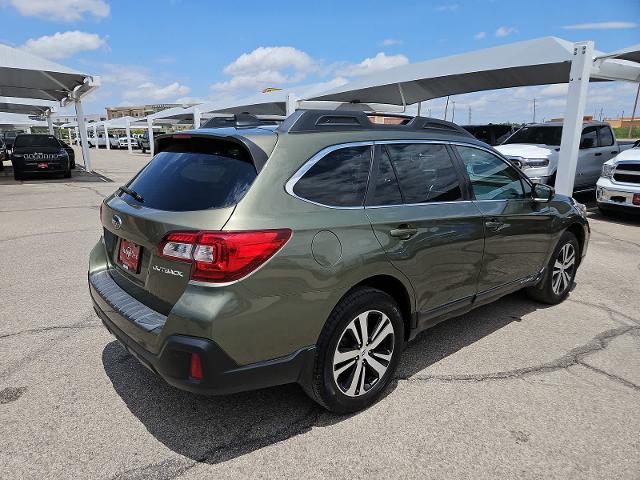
220,257
195,371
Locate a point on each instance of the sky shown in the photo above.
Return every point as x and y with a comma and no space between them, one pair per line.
182,51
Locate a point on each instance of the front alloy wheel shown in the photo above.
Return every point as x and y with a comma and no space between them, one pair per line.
563,269
363,353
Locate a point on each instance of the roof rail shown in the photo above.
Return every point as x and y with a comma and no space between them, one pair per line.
239,120
308,121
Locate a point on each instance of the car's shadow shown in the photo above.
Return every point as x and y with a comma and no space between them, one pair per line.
216,429
78,175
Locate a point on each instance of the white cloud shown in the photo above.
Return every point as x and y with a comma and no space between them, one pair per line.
63,44
601,26
505,31
388,42
127,75
65,10
149,91
448,7
480,35
372,65
269,59
266,67
556,90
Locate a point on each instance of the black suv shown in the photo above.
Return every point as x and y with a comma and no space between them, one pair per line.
34,154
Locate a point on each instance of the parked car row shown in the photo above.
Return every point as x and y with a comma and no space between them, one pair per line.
37,154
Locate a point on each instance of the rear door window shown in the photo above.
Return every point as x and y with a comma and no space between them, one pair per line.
338,179
386,189
606,137
195,174
26,141
589,138
425,172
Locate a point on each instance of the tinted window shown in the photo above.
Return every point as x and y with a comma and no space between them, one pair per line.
387,191
338,179
36,141
425,172
606,137
491,178
542,135
195,175
589,138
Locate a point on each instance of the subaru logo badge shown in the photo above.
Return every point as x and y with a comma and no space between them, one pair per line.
117,222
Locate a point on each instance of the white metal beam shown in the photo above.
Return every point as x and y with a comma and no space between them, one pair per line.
150,129
83,135
49,123
127,128
581,65
197,115
106,137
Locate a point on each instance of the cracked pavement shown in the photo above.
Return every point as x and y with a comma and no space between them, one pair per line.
512,389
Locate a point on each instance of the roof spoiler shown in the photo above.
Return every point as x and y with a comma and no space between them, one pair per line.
307,121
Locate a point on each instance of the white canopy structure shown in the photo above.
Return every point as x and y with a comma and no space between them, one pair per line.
542,61
14,120
27,76
26,106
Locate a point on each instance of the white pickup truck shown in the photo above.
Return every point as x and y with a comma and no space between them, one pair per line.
101,143
619,185
535,149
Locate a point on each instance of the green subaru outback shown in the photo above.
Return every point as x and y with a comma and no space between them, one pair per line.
313,251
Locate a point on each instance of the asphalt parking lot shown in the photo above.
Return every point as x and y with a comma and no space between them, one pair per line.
513,389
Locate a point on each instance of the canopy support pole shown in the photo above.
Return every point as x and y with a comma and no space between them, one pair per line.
107,143
197,114
83,135
574,116
150,128
127,128
69,133
50,122
292,103
404,102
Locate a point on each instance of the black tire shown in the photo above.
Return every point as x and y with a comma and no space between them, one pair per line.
18,175
552,180
144,150
67,172
322,386
73,164
544,292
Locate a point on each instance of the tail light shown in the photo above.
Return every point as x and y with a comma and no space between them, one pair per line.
219,257
195,368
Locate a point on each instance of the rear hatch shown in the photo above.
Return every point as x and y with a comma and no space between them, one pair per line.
192,184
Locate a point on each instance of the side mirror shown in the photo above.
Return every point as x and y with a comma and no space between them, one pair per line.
542,193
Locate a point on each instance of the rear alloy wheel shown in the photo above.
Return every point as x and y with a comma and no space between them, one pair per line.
359,363
358,351
561,272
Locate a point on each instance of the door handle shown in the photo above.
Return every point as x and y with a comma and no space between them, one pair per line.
494,224
597,154
615,152
403,232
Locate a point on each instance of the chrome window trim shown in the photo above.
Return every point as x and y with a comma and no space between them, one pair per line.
315,159
325,151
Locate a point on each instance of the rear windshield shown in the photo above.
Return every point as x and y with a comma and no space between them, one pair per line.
35,141
537,135
195,174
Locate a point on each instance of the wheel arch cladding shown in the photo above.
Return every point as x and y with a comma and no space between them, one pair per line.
396,290
578,231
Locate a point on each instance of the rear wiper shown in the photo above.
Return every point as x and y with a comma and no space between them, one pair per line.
132,193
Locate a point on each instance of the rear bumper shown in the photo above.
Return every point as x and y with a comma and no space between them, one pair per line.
57,167
221,374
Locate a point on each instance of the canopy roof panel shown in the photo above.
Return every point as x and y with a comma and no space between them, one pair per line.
26,106
534,62
25,75
19,120
631,54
